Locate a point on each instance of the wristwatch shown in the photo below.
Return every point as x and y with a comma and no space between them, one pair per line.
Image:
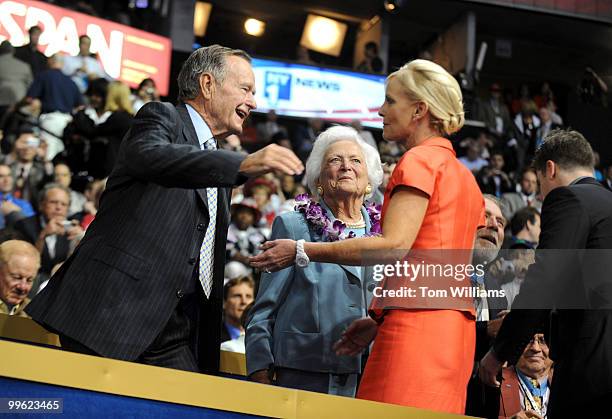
301,258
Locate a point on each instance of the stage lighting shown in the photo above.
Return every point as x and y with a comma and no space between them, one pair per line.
392,6
254,27
324,35
200,18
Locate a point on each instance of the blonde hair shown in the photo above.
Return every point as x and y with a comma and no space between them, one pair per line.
118,98
428,82
11,248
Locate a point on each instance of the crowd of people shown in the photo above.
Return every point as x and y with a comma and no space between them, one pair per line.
187,213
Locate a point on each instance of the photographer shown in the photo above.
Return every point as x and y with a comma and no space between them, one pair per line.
53,235
492,179
147,92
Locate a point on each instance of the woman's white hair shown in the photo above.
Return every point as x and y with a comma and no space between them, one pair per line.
333,135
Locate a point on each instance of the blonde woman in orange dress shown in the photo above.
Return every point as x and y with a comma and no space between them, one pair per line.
421,357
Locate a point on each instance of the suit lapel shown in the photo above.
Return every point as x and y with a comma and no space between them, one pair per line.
191,137
188,131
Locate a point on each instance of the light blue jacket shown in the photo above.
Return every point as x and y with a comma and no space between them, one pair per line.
299,313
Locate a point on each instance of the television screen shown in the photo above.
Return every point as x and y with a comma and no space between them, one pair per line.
306,91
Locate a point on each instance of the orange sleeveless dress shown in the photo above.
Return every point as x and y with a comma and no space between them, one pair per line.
424,358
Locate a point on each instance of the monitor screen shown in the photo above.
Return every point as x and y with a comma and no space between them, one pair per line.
306,91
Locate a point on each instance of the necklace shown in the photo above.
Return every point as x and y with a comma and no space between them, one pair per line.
334,231
359,224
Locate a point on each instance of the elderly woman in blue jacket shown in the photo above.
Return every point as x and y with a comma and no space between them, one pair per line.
301,311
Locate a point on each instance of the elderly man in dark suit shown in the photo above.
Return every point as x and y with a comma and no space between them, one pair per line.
574,280
146,282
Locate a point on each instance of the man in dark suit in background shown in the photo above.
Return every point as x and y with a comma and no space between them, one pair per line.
30,172
30,54
574,280
146,282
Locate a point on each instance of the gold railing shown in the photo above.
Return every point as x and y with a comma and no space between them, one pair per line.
61,368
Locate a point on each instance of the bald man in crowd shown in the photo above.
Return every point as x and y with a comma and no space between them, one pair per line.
19,264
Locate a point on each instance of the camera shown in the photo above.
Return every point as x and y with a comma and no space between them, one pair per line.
33,142
67,224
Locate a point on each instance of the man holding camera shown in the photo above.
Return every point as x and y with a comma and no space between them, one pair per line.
52,234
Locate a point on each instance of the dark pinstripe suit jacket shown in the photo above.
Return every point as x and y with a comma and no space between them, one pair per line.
119,288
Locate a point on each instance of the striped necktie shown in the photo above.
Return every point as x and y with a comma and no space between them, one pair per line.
207,249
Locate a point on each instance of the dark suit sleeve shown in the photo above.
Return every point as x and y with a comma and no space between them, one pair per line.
565,226
150,153
273,290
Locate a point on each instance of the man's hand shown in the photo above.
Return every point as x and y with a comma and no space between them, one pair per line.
261,376
489,368
75,231
54,226
356,337
272,158
7,207
276,255
41,152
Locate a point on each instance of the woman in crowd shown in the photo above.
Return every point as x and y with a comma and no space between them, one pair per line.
147,92
107,135
421,357
300,312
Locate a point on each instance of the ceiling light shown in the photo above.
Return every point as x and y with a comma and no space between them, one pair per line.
324,35
392,6
254,27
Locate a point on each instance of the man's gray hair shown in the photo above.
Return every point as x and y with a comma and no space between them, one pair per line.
43,193
494,199
503,206
211,59
333,135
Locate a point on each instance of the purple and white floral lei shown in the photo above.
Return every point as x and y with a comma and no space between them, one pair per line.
334,231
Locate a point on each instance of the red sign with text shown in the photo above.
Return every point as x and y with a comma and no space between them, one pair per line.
126,54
